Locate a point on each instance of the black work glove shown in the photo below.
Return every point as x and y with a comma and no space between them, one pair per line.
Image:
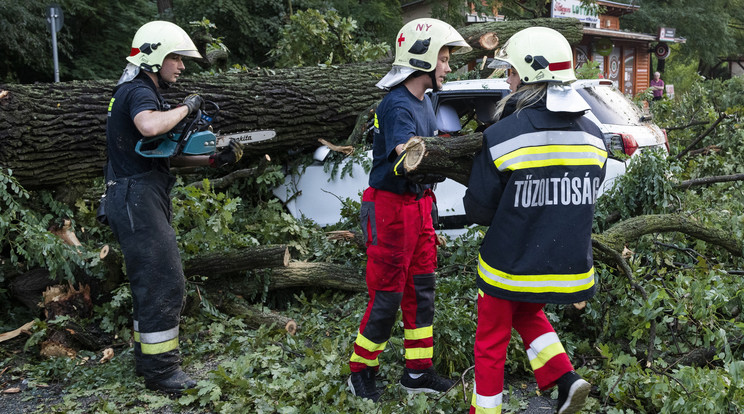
398,169
426,178
230,155
193,102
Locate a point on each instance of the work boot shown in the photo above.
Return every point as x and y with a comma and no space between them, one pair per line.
572,393
427,380
362,384
176,383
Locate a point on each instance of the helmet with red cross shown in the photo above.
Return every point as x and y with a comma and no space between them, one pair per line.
419,41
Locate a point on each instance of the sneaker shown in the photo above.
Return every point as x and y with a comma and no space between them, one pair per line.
426,381
572,393
175,384
362,384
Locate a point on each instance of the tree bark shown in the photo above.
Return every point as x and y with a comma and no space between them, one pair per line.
238,261
53,135
296,274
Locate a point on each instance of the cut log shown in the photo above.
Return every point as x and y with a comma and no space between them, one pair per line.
450,156
238,261
42,126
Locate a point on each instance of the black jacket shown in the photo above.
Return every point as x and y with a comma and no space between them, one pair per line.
535,183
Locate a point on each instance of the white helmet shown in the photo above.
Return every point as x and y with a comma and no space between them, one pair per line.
539,54
417,48
156,40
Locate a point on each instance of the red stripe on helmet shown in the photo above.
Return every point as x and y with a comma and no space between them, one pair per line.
560,65
134,51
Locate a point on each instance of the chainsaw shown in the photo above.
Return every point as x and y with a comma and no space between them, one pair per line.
197,137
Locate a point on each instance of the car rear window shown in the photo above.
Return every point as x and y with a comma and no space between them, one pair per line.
610,106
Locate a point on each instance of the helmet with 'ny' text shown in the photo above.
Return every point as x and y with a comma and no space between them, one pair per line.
156,40
419,41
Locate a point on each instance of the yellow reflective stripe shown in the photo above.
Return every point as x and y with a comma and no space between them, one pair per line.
419,353
369,345
419,333
111,104
136,337
486,404
561,283
545,355
549,155
395,167
377,123
368,362
159,348
481,293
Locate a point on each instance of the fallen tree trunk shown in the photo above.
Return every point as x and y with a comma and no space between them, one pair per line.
43,126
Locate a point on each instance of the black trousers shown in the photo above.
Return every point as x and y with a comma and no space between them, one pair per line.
139,213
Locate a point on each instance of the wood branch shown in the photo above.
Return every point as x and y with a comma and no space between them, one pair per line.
628,231
229,179
65,233
709,180
254,316
705,133
6,336
42,126
238,261
691,124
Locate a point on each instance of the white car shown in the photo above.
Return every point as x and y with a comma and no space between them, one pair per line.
471,104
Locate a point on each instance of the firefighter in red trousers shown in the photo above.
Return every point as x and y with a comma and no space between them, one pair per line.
396,215
534,183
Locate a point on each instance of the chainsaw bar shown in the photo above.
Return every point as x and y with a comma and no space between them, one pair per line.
245,138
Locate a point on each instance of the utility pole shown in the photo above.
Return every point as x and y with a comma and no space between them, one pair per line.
55,20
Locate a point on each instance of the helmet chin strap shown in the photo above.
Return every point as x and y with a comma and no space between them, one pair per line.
162,83
434,85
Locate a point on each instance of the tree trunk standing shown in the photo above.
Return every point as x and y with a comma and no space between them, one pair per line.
53,135
165,6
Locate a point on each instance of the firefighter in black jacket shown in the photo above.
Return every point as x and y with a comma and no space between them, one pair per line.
534,183
137,201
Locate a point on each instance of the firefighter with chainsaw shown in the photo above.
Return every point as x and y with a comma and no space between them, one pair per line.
396,214
137,201
535,184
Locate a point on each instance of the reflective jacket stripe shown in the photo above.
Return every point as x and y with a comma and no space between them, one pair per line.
561,283
546,148
543,348
550,155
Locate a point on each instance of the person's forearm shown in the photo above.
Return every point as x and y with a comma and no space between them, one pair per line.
153,123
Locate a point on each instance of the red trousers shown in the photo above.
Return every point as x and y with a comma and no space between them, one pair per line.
401,260
496,317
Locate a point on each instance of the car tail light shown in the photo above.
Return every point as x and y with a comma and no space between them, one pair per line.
622,143
666,140
605,82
